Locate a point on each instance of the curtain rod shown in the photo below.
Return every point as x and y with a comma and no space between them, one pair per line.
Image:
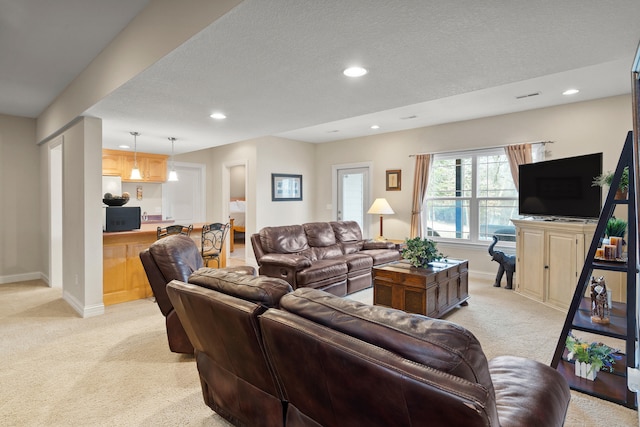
483,148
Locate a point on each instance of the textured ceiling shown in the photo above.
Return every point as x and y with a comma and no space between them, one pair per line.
275,68
45,44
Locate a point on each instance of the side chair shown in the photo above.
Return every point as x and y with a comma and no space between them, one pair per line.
212,244
174,229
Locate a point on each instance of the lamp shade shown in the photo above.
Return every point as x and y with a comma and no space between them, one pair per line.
135,173
381,207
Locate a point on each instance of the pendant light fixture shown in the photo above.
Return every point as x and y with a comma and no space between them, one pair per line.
135,172
173,176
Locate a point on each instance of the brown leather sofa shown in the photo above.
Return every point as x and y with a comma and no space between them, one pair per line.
332,361
174,257
331,256
220,312
361,365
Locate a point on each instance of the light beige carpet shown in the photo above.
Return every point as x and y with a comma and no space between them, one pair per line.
57,369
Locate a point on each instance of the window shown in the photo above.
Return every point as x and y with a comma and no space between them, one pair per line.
471,196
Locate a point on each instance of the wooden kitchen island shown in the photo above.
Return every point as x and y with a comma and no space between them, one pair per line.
124,278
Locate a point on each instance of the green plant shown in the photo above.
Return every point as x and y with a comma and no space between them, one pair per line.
598,354
605,179
420,252
616,227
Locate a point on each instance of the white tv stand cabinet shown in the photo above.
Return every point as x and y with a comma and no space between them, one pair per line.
549,259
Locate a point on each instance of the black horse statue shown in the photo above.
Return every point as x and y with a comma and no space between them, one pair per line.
507,265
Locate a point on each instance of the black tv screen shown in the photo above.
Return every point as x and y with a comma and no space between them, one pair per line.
562,187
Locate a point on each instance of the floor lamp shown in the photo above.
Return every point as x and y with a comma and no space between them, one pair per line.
380,207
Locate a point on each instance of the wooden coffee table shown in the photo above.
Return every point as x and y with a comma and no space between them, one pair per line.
430,291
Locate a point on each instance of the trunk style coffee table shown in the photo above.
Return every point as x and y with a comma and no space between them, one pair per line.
429,291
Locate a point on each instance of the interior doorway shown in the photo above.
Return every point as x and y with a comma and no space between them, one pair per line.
55,209
236,202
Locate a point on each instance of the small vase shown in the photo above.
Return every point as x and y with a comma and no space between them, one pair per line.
583,370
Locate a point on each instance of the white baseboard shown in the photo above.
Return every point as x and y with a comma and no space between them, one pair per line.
482,275
23,277
82,310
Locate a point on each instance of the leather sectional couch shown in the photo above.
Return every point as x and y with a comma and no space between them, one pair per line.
331,256
270,356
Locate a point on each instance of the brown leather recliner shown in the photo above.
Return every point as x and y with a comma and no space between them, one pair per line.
219,311
361,365
174,257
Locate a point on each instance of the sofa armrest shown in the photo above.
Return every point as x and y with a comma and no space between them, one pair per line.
283,266
294,261
378,245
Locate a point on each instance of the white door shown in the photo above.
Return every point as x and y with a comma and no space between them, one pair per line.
183,200
353,196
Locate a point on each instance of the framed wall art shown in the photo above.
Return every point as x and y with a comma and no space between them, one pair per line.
286,187
394,180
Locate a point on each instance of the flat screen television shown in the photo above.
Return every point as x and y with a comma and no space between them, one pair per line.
561,188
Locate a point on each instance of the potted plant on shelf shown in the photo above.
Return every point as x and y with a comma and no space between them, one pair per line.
420,252
616,227
605,180
590,357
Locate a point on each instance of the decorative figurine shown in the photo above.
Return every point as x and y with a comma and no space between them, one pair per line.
507,265
599,304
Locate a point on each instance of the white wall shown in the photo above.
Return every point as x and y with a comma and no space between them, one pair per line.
82,216
21,248
578,128
278,155
237,182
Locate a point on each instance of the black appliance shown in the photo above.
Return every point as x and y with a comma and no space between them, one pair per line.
562,187
120,218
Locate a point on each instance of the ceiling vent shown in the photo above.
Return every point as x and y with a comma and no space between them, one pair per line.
528,95
408,117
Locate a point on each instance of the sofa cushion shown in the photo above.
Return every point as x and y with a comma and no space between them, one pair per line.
357,262
287,239
352,247
319,234
381,256
346,231
177,257
436,343
262,290
327,252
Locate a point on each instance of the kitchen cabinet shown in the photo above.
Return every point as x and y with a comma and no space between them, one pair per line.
111,163
153,167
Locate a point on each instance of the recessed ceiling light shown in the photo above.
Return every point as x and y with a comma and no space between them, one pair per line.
355,72
375,127
123,146
570,92
218,116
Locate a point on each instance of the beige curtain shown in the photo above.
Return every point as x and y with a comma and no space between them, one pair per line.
420,181
518,155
